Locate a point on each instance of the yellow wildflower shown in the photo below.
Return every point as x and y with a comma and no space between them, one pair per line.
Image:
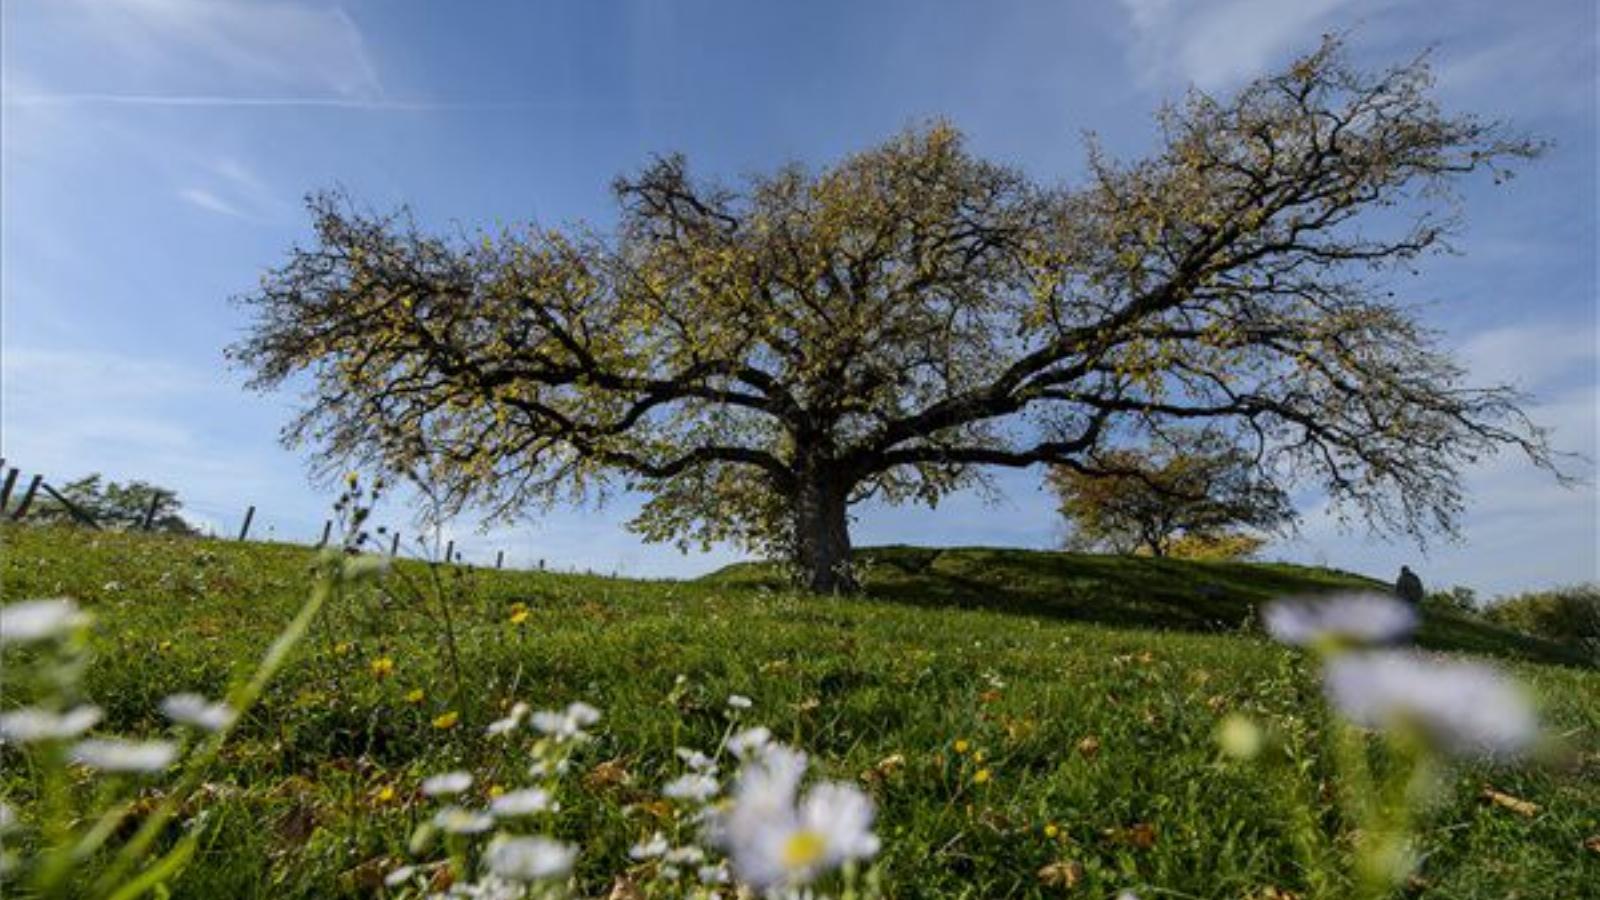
1051,830
382,667
383,794
341,648
519,613
446,721
981,776
416,695
495,790
979,757
962,745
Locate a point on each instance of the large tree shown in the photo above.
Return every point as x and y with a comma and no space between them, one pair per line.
1195,489
757,359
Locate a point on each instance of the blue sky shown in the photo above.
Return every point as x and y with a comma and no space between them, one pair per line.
154,154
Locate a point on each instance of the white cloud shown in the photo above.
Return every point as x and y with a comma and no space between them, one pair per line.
1215,45
1531,354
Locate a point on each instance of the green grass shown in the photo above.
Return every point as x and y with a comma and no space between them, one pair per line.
1023,654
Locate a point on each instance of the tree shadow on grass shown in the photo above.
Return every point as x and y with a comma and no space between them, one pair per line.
1133,592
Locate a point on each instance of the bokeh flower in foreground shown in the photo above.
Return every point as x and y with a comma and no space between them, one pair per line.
1464,708
30,724
119,755
197,711
37,620
776,838
1340,620
529,858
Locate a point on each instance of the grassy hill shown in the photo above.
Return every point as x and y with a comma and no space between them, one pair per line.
1092,686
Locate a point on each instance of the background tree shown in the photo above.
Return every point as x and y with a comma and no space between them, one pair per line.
1194,494
758,359
114,505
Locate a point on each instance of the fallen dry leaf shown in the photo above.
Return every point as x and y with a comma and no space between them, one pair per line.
1592,843
1505,801
607,775
1062,873
1089,746
624,889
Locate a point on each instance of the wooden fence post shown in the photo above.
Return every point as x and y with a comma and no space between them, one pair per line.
327,530
499,558
245,529
394,545
449,550
71,508
27,498
11,482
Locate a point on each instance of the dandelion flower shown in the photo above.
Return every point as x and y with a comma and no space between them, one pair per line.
383,794
416,695
961,745
519,613
740,701
1466,708
447,784
981,776
1051,830
37,620
382,667
1340,619
694,787
447,720
979,757
455,820
118,755
529,858
31,723
197,711
523,802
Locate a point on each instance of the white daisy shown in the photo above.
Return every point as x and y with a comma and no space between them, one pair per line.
510,722
456,820
195,710
1342,618
696,760
529,858
567,724
399,876
740,701
525,802
695,786
1467,708
31,723
656,846
119,755
447,784
749,740
37,620
773,842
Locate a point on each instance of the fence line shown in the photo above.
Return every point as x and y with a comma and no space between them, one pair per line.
147,522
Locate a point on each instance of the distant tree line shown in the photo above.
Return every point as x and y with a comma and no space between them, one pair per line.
111,504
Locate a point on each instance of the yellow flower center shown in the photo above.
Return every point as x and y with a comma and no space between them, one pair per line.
803,848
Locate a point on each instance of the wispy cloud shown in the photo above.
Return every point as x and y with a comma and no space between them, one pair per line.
211,202
315,48
1214,45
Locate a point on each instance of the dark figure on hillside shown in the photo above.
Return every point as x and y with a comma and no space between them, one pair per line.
1408,586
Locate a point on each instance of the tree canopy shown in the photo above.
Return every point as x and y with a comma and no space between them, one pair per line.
758,358
1192,496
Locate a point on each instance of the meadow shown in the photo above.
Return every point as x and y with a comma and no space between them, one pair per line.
1027,724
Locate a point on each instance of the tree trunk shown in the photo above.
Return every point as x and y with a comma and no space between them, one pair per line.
822,537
